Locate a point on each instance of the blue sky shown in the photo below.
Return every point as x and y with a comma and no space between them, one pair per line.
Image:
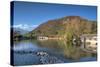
33,14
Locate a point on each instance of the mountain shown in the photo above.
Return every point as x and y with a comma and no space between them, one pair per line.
75,25
21,31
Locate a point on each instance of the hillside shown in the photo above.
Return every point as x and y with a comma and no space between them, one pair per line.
74,25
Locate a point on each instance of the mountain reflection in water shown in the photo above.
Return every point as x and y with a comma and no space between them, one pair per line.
25,52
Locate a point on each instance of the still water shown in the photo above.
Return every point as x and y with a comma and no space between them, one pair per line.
25,52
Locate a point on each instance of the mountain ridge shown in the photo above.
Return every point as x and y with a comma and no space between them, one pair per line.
61,25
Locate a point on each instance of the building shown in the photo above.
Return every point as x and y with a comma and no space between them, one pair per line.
89,41
49,37
42,38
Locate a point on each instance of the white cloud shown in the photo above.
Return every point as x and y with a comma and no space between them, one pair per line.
25,26
35,25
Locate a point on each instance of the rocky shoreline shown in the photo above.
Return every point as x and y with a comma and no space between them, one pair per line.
44,57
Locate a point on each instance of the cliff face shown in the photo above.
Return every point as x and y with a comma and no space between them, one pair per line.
72,24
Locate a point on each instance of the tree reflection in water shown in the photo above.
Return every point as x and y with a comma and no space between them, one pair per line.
69,51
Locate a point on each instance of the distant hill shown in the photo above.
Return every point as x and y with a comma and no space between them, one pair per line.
75,25
18,33
21,31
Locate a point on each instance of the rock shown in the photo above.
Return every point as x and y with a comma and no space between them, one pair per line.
45,58
49,60
42,53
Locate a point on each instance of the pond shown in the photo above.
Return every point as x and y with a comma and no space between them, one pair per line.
26,52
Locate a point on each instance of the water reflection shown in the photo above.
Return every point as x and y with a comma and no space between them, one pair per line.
24,45
69,51
57,48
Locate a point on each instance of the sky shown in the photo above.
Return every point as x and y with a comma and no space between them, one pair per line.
30,14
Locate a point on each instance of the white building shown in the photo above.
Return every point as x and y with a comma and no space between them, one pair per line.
89,41
42,38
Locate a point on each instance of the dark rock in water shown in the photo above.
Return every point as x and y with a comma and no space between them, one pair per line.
50,60
45,58
24,52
